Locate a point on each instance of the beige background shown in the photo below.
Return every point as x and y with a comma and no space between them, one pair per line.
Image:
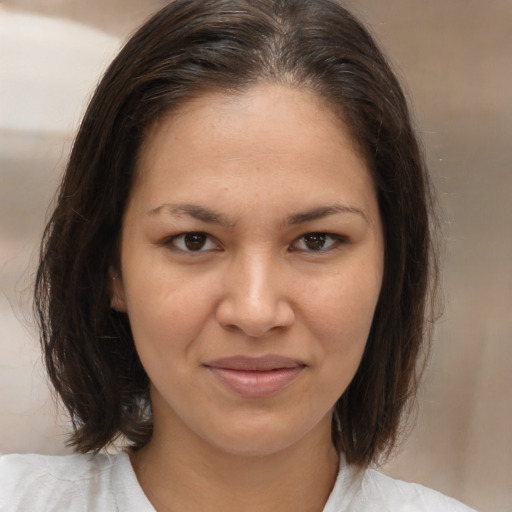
456,59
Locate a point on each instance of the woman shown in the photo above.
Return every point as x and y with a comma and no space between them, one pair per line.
235,278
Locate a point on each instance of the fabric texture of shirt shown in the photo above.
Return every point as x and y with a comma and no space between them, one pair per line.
107,483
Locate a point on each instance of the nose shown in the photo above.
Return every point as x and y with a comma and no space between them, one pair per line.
255,297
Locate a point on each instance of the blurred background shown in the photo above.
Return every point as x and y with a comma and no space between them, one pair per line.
455,59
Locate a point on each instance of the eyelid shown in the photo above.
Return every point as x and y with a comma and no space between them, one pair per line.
337,240
334,240
170,241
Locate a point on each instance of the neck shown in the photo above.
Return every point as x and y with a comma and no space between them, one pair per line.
187,474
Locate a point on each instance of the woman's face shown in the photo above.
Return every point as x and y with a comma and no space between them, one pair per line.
251,265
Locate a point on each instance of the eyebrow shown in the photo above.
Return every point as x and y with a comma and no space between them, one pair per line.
192,210
212,217
322,212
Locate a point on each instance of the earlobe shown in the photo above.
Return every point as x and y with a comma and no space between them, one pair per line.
117,299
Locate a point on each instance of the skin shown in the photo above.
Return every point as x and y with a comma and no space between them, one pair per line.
252,174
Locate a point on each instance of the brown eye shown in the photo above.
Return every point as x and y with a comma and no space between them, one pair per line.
316,242
193,242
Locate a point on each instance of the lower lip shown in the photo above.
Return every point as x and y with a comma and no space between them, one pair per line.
256,384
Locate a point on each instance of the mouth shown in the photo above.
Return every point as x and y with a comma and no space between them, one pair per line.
256,377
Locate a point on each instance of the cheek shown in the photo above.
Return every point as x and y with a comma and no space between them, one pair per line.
165,307
346,303
342,322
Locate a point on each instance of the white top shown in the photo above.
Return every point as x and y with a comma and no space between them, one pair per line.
105,483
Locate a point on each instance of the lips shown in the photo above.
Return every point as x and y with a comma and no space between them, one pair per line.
256,377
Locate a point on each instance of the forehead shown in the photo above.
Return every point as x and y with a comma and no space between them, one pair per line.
272,138
261,111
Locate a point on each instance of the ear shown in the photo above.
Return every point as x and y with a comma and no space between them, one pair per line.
116,289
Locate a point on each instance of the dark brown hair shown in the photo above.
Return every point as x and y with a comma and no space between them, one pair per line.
189,47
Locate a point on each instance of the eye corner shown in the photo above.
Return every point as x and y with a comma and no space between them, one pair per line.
192,242
318,242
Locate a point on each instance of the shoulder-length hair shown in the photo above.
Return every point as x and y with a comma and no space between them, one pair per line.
193,46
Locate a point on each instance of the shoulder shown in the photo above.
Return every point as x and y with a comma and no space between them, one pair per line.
63,467
406,496
372,491
42,482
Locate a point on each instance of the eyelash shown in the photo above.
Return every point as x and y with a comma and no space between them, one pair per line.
315,236
182,238
335,241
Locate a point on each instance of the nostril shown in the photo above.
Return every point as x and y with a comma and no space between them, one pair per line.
254,320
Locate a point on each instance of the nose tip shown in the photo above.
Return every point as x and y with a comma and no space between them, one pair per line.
255,297
255,318
254,303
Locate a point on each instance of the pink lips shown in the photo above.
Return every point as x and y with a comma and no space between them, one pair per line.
256,377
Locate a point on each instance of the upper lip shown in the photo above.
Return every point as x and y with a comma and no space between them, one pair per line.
261,364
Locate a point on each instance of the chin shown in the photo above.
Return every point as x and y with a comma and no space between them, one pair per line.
265,438
255,447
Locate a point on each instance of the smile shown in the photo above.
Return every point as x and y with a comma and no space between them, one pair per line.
256,377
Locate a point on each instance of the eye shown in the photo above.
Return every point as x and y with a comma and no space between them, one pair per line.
316,242
193,242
